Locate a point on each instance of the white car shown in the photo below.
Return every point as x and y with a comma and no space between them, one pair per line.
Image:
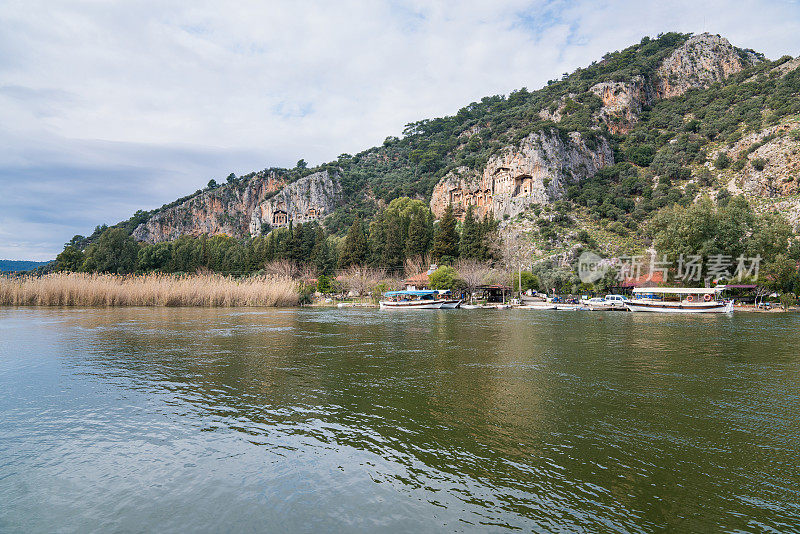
618,301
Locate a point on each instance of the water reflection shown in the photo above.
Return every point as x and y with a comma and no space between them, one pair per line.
358,420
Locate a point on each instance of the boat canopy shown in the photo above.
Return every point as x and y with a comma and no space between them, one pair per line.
417,293
679,290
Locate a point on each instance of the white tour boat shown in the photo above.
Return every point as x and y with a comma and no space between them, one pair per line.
416,299
679,300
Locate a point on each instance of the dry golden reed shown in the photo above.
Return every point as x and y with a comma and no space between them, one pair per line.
84,289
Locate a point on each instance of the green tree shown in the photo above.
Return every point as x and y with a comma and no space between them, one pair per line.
419,232
322,254
470,245
445,277
114,252
70,259
445,240
393,247
212,184
354,250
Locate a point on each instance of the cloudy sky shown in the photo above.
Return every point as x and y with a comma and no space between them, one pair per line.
109,107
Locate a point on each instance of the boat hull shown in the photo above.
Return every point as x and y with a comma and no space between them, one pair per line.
450,304
411,305
680,307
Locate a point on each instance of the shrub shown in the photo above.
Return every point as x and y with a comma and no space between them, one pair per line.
723,161
445,277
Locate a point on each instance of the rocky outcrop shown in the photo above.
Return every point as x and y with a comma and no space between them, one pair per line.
622,103
223,210
701,61
536,172
307,199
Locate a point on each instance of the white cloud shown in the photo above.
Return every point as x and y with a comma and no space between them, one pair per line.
242,86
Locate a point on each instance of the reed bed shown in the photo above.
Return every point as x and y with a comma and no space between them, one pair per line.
85,289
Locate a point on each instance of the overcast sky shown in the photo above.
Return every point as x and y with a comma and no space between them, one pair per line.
110,107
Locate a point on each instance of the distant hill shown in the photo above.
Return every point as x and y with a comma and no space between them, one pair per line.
20,265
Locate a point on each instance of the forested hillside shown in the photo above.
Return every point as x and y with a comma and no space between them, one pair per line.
596,159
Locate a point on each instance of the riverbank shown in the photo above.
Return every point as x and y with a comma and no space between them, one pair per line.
84,289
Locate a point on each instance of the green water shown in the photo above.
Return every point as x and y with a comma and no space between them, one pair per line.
213,420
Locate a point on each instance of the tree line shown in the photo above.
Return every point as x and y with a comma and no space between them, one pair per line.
405,229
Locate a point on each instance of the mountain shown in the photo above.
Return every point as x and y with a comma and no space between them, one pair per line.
20,265
595,154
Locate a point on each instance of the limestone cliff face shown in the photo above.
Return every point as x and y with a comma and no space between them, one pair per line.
622,102
223,210
702,60
536,172
307,199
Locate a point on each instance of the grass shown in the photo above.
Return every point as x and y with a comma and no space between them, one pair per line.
83,289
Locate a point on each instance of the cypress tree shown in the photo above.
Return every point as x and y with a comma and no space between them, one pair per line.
355,248
322,255
392,256
418,240
470,245
445,241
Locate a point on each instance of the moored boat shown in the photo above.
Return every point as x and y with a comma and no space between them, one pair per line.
679,300
417,299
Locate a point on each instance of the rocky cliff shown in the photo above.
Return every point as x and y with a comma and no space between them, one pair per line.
536,172
701,61
223,210
307,199
245,208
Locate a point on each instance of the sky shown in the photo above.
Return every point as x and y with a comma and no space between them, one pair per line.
110,107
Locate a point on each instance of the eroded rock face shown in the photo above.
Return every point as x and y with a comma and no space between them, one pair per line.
309,198
536,172
224,210
622,103
702,60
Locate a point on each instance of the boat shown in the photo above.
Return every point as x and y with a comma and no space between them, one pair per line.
448,302
607,303
417,299
539,306
679,300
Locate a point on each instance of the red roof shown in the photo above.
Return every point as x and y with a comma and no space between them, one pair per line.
421,278
645,280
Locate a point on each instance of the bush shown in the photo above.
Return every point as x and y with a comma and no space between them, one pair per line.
445,277
722,161
758,163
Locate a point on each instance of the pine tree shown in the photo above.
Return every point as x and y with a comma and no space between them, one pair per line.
355,248
445,241
470,245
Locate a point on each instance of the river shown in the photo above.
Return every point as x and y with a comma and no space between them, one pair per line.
327,420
